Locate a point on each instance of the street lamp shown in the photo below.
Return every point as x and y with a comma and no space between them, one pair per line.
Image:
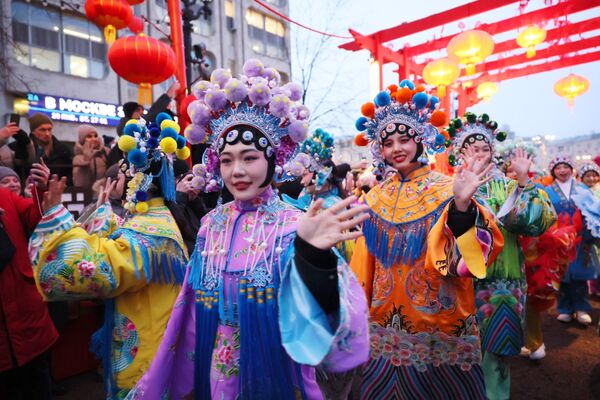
191,11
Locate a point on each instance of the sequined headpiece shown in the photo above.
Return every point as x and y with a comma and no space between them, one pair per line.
469,129
255,99
559,159
314,154
150,148
587,167
401,109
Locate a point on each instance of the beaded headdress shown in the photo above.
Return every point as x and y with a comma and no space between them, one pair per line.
314,154
468,130
150,148
256,99
559,159
403,109
587,167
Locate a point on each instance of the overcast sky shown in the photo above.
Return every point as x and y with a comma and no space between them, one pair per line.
528,105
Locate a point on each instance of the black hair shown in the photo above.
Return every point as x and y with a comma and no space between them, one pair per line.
334,178
257,138
553,168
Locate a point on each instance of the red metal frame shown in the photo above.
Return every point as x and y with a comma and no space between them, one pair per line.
404,57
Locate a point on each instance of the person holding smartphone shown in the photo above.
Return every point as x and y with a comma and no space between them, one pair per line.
16,150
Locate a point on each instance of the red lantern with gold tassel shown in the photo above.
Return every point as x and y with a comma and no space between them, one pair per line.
142,60
111,15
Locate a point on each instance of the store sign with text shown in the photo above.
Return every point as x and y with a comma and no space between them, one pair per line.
78,111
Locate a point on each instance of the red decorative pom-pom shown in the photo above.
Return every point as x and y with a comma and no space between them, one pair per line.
438,118
392,88
419,88
360,140
368,110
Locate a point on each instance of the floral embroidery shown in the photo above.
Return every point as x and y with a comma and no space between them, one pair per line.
86,269
125,342
226,355
420,349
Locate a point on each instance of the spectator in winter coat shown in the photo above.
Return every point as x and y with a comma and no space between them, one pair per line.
18,154
57,155
89,163
26,331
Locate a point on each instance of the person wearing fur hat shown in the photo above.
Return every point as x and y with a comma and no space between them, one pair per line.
89,163
574,201
136,265
427,238
10,180
57,155
522,210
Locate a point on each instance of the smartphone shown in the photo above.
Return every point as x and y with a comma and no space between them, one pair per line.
16,118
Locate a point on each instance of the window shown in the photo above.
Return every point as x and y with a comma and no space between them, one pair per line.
230,14
203,26
50,40
267,34
277,3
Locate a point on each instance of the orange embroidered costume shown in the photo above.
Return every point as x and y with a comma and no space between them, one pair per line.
417,275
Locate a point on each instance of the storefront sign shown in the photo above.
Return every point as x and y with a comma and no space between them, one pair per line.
67,109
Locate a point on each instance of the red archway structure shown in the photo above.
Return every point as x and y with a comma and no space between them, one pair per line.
509,60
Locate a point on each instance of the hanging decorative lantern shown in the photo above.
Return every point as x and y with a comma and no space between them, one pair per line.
486,90
441,73
470,48
136,25
571,86
142,60
111,15
531,37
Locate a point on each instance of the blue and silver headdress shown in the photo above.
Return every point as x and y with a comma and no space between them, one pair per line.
587,167
314,154
506,150
144,146
256,99
401,109
469,129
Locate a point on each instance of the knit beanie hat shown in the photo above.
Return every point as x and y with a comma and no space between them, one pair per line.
38,119
5,171
83,130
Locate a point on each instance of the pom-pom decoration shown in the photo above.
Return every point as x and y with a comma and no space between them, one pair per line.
361,140
368,110
438,118
183,153
168,145
168,123
126,143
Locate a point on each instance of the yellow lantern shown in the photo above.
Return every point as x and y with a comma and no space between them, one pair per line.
470,48
486,90
571,86
441,73
531,37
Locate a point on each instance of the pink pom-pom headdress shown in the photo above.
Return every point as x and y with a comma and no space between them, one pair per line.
255,99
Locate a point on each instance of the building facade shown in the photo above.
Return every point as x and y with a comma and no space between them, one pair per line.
54,60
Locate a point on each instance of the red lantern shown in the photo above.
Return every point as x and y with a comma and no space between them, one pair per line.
111,15
142,60
136,25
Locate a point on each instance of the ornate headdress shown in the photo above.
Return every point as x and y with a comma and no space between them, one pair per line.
149,152
315,152
255,100
468,130
559,159
401,109
504,151
587,167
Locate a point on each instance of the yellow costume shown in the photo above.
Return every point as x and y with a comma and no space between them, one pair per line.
137,266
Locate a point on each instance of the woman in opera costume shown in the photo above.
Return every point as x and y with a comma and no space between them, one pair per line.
265,298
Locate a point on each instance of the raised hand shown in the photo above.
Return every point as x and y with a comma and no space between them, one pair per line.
325,228
470,158
105,192
39,175
53,196
466,183
521,162
9,130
